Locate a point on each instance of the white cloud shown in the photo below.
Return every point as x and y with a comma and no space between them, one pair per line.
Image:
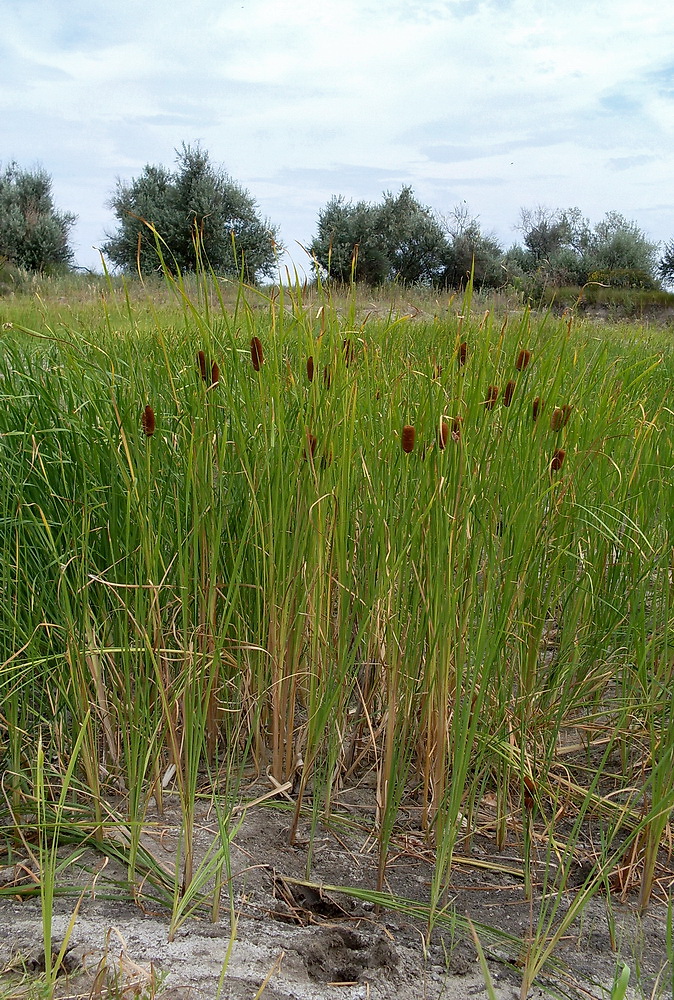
501,102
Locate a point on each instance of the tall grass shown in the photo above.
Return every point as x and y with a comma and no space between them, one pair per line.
218,559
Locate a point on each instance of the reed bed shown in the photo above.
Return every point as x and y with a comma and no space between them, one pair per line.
272,537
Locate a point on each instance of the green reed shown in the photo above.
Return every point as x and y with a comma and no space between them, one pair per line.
270,577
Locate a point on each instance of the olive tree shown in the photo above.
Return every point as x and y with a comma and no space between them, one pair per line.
33,234
471,251
198,213
397,239
563,246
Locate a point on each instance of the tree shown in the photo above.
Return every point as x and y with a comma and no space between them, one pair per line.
33,234
563,248
197,211
619,243
471,251
666,264
396,240
544,230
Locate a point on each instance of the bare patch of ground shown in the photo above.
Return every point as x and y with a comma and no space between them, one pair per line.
294,942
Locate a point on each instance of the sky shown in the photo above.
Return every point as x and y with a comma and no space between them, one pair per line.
493,105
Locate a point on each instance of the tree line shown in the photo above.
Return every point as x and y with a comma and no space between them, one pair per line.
197,214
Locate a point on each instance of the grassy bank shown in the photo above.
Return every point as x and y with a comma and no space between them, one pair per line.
289,536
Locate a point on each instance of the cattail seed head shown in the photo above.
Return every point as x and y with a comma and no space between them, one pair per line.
557,460
560,417
310,368
492,396
523,359
407,438
147,421
256,353
201,361
529,791
310,446
456,428
463,353
508,393
443,435
215,373
537,408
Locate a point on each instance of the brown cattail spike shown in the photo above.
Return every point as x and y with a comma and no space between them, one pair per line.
537,408
407,438
557,460
310,368
201,361
256,354
148,422
508,393
523,359
529,792
492,396
560,417
456,428
463,353
443,435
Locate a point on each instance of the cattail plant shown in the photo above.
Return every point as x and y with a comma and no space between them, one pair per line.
560,417
492,396
201,361
215,373
327,376
537,408
256,353
437,370
310,447
310,368
349,352
508,393
557,460
147,421
443,435
523,359
407,438
463,353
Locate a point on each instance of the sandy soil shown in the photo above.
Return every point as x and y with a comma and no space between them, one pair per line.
293,943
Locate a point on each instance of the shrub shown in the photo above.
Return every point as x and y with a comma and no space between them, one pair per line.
33,234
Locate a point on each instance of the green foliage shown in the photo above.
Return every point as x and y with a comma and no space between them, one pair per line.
666,264
12,279
396,240
562,248
197,211
270,576
471,252
623,277
33,234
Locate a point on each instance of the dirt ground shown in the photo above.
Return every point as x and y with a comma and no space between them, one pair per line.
293,943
